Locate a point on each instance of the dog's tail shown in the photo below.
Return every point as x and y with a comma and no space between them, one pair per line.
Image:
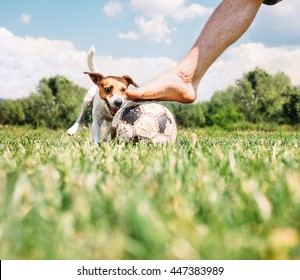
90,59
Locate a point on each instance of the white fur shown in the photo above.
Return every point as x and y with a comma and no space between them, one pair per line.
90,59
100,111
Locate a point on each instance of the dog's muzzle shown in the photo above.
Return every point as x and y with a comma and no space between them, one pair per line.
114,109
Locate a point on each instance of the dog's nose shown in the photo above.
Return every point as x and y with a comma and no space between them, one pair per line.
118,102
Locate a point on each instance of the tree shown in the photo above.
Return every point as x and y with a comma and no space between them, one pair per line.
291,108
55,105
188,115
221,110
260,95
257,97
60,100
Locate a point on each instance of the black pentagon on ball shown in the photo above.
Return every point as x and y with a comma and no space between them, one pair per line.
162,122
137,139
131,114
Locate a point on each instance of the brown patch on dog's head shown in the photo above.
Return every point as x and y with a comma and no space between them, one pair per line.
129,80
95,77
110,85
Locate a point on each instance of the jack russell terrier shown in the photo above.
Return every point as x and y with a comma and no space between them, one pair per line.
107,95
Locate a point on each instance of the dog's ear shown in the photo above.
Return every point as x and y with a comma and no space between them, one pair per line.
95,77
130,81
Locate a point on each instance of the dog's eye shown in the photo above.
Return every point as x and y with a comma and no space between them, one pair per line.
108,89
123,89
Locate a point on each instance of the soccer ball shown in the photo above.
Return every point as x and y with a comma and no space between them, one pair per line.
144,121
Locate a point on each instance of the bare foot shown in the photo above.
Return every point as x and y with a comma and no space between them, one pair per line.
171,86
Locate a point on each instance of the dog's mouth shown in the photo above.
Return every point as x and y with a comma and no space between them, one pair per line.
112,109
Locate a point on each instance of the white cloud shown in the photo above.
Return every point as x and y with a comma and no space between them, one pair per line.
25,18
153,23
176,9
240,59
157,7
191,11
128,36
155,29
112,8
284,9
26,60
283,17
5,33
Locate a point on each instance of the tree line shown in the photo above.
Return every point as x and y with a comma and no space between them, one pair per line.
55,104
258,97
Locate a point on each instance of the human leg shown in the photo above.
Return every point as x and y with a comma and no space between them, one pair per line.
227,24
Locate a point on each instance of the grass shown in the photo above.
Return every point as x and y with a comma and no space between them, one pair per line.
211,195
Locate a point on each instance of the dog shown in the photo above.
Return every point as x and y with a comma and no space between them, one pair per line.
107,96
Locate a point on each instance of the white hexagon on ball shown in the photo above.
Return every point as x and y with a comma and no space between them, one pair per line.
125,131
145,127
153,108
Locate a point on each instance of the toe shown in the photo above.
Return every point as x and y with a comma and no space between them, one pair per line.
132,94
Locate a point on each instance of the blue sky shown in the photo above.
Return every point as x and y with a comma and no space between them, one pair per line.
143,37
86,23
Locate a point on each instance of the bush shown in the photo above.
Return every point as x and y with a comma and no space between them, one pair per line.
56,104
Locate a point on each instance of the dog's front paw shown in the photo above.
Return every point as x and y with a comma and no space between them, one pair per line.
72,130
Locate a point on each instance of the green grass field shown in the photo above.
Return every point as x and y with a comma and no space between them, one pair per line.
212,195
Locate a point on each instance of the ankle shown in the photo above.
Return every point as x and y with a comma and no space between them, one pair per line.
185,73
188,94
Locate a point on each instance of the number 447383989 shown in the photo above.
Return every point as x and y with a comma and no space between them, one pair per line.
189,270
